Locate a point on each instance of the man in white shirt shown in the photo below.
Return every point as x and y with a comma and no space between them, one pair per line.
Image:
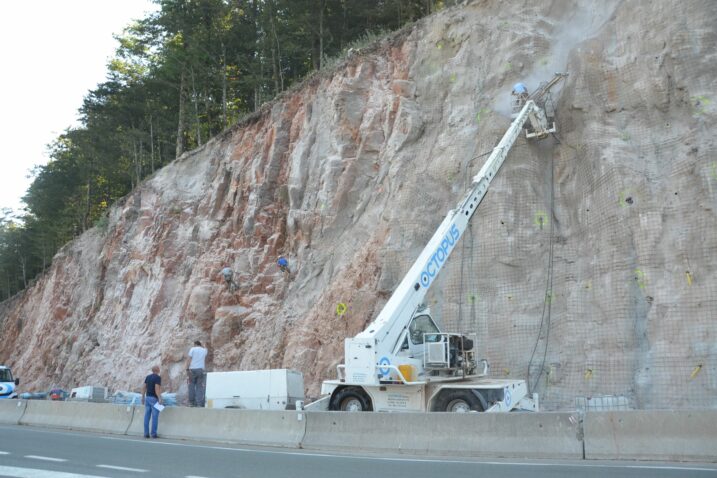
197,374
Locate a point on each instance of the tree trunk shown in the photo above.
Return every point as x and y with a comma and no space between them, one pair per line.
151,143
23,265
317,43
343,24
224,87
207,112
195,100
86,218
181,123
140,162
257,66
278,74
137,168
322,6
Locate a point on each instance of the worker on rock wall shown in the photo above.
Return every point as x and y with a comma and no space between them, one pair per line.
283,265
228,275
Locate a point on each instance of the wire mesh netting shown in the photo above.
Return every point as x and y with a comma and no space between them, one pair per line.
590,276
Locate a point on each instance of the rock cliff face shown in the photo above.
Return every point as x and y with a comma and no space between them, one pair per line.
594,252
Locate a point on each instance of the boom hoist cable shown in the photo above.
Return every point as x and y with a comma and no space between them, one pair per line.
548,296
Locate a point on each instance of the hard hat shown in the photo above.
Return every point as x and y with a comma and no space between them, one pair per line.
519,88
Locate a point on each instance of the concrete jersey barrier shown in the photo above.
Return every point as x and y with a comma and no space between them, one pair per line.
99,417
11,411
652,435
521,435
628,435
254,427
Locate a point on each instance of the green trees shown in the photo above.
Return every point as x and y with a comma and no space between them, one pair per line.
179,76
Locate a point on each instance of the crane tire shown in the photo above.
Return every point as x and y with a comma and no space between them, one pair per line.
350,399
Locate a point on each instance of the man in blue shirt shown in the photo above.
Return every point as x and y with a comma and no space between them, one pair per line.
151,396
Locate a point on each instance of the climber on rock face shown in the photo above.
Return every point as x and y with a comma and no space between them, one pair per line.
283,265
228,275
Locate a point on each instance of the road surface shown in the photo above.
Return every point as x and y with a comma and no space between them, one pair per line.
29,452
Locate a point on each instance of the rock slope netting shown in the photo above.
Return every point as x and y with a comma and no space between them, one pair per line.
594,252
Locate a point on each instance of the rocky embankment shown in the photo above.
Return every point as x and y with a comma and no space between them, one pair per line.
348,175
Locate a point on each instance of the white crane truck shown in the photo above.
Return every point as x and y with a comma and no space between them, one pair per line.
8,385
402,361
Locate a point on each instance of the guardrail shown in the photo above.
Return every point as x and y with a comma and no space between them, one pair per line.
632,435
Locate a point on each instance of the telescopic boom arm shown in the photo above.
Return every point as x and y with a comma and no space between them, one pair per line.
410,294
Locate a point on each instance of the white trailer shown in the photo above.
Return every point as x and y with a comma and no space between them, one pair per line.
402,361
88,393
277,389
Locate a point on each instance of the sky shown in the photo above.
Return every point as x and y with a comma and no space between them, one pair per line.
52,52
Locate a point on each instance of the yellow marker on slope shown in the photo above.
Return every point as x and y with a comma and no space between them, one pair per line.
695,371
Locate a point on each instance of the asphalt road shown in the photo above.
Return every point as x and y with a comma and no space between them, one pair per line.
28,452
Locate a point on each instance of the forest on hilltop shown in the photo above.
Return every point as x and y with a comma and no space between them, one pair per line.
179,76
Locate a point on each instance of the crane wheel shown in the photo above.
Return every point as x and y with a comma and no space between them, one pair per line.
459,401
350,399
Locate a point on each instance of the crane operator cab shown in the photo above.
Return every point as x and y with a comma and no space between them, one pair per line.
441,354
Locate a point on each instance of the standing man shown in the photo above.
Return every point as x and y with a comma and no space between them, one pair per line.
152,395
197,374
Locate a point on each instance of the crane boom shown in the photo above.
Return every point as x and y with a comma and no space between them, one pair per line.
396,315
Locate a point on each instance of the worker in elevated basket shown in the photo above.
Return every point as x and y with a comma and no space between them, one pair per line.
520,90
520,96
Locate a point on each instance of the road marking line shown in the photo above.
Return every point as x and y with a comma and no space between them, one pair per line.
651,467
123,468
419,460
16,472
44,458
194,476
591,465
4,452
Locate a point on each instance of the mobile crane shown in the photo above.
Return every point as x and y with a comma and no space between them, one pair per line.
402,361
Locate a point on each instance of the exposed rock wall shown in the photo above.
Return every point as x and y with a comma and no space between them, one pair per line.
349,175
